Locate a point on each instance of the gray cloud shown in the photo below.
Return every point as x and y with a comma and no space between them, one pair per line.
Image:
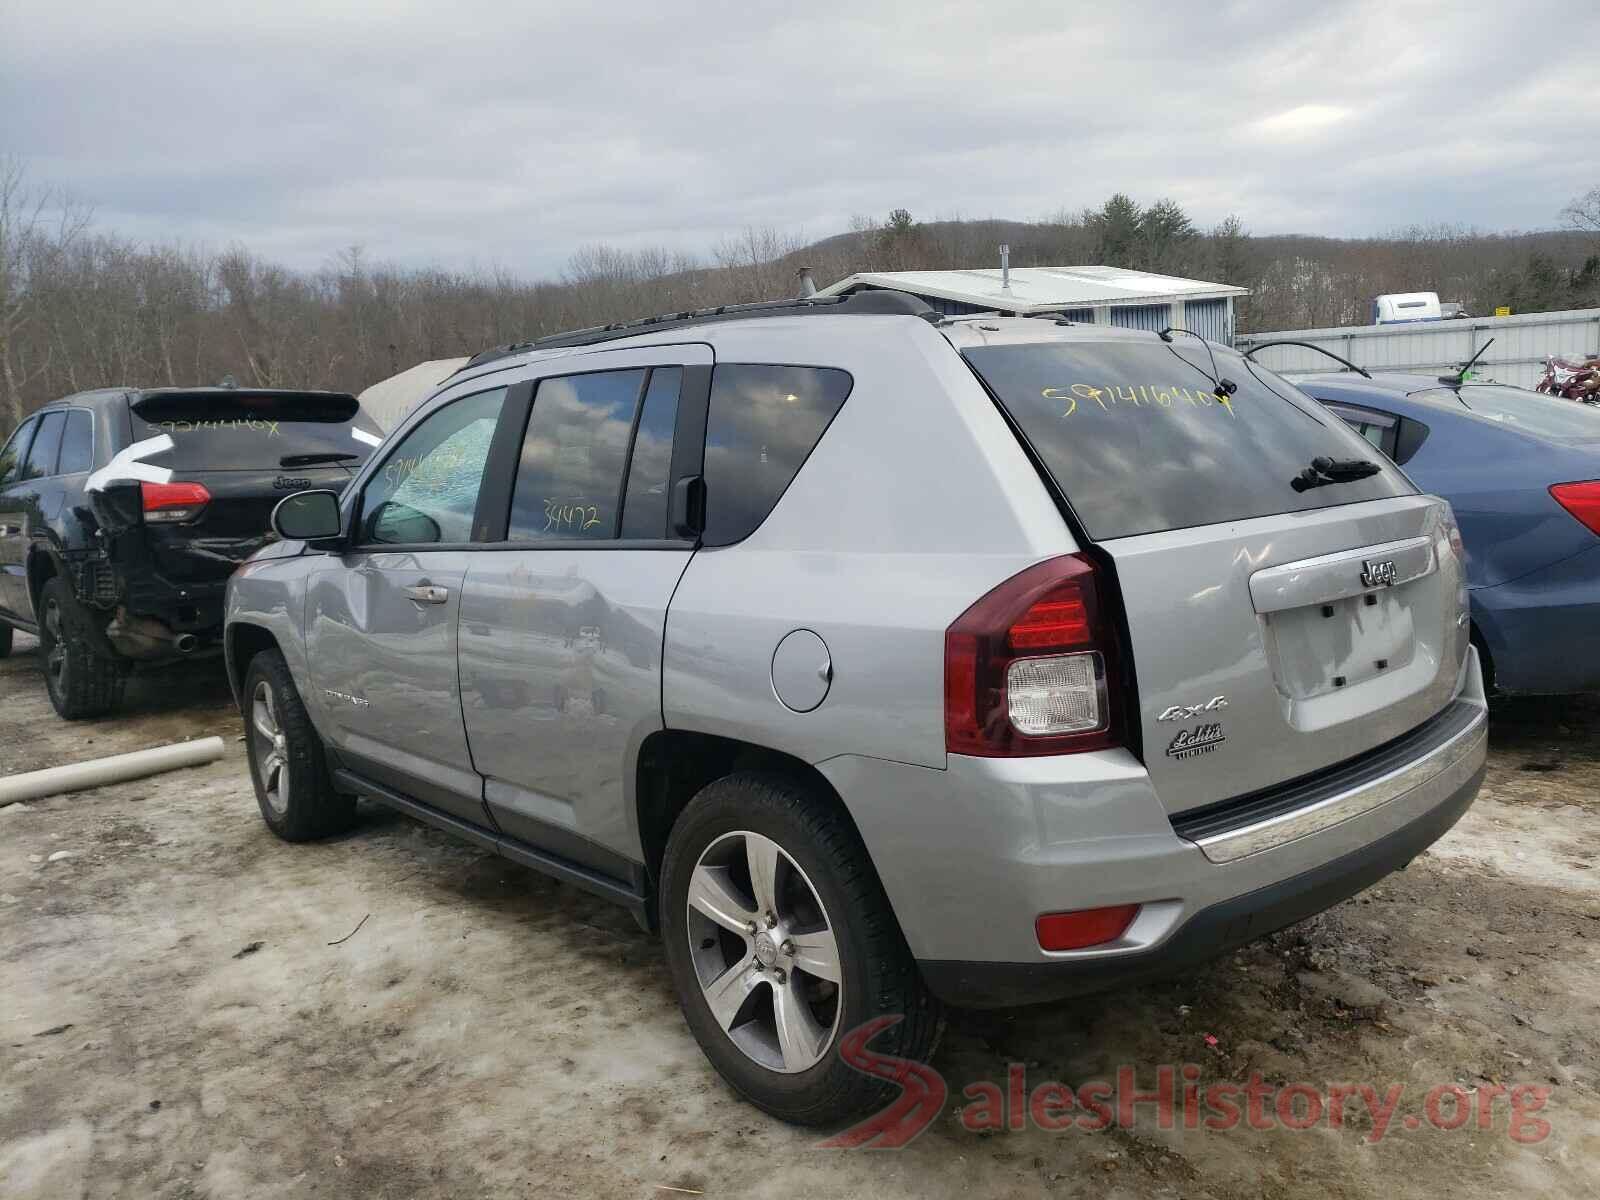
510,135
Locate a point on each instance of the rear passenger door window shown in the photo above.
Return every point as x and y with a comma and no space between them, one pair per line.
762,424
648,494
77,444
574,457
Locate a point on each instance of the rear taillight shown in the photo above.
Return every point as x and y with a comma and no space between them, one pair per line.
170,503
1027,669
1582,500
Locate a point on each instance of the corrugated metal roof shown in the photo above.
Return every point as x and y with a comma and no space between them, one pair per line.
1039,289
389,400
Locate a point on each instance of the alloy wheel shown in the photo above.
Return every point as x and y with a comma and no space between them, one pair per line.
764,952
55,655
271,747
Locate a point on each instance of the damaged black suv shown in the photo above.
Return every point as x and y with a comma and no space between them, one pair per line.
123,512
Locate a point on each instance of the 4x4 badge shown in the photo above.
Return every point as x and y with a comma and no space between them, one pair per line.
1183,712
1202,739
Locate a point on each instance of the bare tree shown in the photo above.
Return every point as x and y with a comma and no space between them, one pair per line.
1583,214
37,226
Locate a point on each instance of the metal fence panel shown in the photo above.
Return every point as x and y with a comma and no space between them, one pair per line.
1521,345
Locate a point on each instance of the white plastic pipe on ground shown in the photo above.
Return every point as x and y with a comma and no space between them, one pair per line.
119,768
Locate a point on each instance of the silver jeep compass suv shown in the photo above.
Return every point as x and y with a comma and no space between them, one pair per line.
880,659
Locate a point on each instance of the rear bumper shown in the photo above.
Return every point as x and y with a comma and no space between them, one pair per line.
1543,630
971,855
157,619
1210,932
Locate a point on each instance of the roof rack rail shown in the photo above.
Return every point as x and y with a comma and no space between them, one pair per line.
877,302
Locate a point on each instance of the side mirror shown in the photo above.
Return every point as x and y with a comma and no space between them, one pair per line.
308,517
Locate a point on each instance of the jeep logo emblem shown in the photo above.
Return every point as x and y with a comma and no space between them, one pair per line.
291,483
1378,574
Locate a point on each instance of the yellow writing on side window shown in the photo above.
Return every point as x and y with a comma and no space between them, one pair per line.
1134,396
561,514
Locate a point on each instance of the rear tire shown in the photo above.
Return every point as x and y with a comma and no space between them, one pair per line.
6,634
288,764
81,682
761,1003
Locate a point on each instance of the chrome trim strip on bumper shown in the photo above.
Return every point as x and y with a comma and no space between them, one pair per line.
1449,765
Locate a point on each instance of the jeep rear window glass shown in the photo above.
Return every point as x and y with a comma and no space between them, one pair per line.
569,481
256,430
1138,440
46,442
762,424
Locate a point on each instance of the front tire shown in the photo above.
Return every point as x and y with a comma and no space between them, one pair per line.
288,764
781,941
81,682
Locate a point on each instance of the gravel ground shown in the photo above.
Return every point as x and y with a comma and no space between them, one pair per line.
179,1017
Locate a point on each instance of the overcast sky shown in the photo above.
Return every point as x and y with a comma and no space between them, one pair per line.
509,135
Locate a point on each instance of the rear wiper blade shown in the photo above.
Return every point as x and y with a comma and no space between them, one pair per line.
308,460
1324,471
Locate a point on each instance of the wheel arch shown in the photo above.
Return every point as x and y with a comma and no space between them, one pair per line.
242,641
43,566
674,764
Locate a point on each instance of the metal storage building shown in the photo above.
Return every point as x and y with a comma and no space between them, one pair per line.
1521,345
389,400
1094,295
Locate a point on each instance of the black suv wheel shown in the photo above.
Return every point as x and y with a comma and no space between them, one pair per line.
287,762
81,681
781,941
6,634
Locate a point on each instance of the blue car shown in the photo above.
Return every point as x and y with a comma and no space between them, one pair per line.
1522,471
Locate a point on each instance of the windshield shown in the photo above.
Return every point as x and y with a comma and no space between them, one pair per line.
1140,441
1533,412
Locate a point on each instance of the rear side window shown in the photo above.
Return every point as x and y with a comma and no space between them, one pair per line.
15,448
762,424
1136,436
77,444
569,479
254,430
41,459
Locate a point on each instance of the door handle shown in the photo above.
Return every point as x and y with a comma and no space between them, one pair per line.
8,530
427,593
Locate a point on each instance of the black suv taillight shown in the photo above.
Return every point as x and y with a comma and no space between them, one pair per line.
1028,669
171,503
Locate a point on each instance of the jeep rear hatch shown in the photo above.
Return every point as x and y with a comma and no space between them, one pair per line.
236,453
1291,602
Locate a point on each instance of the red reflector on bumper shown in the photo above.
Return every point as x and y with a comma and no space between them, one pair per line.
1086,927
